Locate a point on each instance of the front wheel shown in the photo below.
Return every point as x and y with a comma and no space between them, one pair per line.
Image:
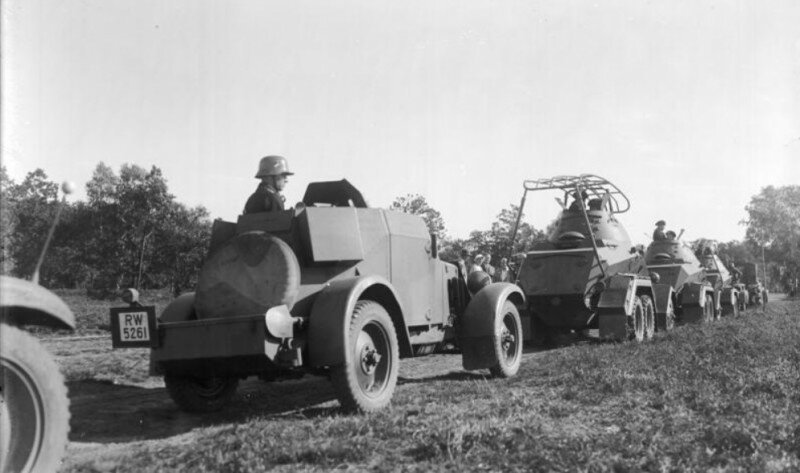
366,380
200,394
507,341
636,321
34,409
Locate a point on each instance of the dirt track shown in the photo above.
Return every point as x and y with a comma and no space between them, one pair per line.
113,411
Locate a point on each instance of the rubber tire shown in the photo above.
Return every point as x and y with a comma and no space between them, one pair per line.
636,321
44,434
649,317
708,310
188,393
352,396
508,328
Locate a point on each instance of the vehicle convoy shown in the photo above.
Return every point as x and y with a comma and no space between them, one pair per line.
686,293
587,275
328,287
34,408
758,294
724,288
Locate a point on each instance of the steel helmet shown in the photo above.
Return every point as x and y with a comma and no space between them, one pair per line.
273,166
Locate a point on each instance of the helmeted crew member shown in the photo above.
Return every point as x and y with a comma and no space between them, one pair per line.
578,200
273,172
658,233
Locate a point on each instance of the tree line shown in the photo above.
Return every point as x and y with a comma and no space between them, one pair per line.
131,231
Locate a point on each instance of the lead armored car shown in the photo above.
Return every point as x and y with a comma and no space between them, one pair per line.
685,291
587,275
331,287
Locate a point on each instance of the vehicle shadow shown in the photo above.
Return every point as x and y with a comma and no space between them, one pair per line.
451,376
104,412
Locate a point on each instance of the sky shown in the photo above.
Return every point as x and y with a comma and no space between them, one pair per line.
689,107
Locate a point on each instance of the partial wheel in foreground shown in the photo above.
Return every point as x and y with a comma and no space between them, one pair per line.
34,408
636,321
649,312
507,341
368,377
201,394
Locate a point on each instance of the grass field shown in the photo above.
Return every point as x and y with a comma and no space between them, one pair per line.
720,397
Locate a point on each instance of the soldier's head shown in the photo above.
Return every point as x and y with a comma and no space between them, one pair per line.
478,259
464,254
274,170
661,224
671,235
488,259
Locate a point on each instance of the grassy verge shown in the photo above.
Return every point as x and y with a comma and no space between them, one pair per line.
705,398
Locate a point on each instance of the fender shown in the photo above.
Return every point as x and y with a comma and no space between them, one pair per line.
662,299
27,303
328,333
729,296
618,295
694,294
475,322
477,325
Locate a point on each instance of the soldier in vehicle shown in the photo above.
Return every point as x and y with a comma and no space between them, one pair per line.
658,233
671,235
576,203
273,172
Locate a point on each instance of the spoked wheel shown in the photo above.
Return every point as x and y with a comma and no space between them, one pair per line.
649,312
507,342
34,409
200,394
636,321
366,380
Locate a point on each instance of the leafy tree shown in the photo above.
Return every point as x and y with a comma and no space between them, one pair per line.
773,226
497,240
8,222
417,205
32,205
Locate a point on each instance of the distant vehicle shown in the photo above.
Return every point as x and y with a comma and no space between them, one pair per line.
758,294
587,275
686,286
329,287
34,408
726,292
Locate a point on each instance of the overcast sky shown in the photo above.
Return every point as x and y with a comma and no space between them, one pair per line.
689,107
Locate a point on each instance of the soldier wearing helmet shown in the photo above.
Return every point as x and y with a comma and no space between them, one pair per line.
658,233
273,172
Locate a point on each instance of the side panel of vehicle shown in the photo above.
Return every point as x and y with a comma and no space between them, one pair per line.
616,304
663,296
328,324
27,303
413,269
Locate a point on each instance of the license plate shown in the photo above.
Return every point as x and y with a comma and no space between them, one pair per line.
133,327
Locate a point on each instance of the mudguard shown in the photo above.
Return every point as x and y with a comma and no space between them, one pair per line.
180,309
728,296
662,298
328,330
618,295
477,325
26,303
694,294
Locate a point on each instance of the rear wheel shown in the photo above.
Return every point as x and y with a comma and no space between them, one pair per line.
200,394
708,309
649,317
367,379
34,408
636,321
507,341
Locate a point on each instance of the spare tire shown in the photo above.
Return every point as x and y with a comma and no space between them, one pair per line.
249,274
